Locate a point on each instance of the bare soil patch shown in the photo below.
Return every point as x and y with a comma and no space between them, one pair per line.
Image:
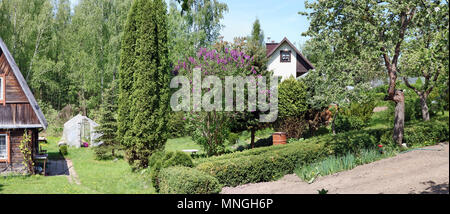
424,171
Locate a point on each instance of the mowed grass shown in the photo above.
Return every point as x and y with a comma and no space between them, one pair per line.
182,143
38,184
111,176
186,143
108,176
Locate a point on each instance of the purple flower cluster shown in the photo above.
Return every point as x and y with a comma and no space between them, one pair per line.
215,63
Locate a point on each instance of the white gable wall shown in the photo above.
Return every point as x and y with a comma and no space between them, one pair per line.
283,69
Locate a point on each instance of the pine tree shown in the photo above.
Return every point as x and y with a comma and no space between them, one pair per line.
146,125
257,34
108,120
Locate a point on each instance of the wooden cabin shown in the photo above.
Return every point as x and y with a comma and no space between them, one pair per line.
19,112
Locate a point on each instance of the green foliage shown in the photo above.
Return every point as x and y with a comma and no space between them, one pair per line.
63,150
345,123
26,150
184,180
105,152
333,164
108,124
233,138
422,133
161,160
144,94
266,166
363,110
322,191
292,107
292,98
270,163
177,125
257,35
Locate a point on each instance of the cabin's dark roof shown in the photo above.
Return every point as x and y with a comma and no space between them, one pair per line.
25,88
272,47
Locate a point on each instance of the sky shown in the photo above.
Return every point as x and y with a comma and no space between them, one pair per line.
278,18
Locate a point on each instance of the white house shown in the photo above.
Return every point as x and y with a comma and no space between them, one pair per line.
285,60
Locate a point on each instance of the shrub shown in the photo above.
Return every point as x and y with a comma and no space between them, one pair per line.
103,152
421,133
345,123
63,150
292,98
294,127
362,111
161,160
350,142
233,138
184,180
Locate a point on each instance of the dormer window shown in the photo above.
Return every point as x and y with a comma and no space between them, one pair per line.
285,56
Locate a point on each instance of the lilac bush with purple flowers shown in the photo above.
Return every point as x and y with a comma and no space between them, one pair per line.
210,128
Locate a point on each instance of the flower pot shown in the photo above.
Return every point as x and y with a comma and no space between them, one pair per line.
279,138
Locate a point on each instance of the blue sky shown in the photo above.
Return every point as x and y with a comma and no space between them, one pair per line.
279,19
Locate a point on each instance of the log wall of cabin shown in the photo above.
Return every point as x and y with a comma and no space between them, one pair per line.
15,155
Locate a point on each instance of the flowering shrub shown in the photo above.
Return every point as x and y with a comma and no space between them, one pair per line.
210,128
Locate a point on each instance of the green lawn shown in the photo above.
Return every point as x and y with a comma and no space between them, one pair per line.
96,176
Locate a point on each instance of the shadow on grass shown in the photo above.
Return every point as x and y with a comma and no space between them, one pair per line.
259,143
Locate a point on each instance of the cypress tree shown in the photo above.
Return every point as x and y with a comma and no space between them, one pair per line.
126,73
150,92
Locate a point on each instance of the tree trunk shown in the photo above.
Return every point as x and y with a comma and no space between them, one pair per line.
252,138
423,104
333,125
399,121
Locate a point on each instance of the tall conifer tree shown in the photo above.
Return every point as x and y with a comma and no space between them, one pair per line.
148,99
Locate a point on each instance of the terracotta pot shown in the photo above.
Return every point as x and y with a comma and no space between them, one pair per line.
279,138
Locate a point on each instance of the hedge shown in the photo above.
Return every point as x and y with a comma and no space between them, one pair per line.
270,163
160,160
185,180
255,151
266,166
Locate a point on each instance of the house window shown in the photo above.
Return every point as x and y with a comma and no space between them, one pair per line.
3,147
285,56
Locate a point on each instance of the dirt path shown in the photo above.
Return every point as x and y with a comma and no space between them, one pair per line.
418,171
73,177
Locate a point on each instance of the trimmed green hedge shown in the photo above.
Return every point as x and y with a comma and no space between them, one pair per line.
161,160
266,166
185,180
270,163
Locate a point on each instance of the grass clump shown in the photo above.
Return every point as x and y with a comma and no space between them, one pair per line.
334,164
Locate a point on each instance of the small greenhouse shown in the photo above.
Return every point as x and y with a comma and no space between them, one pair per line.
80,129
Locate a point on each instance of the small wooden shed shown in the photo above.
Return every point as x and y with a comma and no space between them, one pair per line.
19,113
